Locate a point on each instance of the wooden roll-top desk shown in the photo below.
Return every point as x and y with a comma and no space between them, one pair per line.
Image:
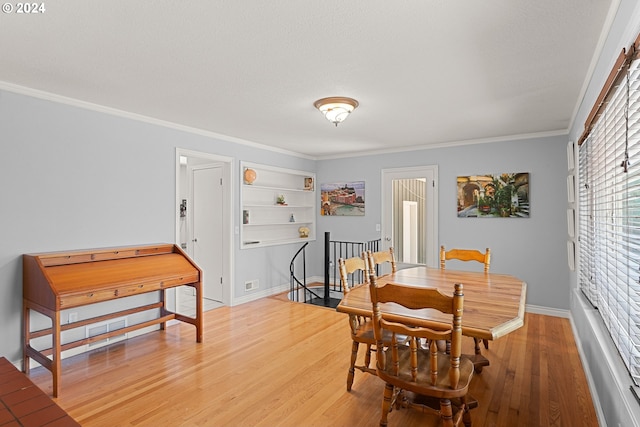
58,281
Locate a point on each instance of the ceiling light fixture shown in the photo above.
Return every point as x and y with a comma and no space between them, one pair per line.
336,108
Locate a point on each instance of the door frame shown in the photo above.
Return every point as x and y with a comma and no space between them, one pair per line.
227,215
431,206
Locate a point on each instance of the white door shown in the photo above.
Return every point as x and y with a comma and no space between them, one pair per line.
208,207
414,188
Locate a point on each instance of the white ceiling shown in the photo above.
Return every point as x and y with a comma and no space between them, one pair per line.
428,72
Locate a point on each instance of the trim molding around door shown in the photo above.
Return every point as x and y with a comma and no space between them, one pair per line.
227,175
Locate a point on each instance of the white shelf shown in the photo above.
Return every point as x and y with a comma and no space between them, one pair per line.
263,187
258,206
298,223
263,221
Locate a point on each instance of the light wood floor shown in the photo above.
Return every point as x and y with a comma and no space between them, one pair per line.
276,363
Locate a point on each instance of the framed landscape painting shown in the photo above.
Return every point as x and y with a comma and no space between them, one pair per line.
342,198
502,195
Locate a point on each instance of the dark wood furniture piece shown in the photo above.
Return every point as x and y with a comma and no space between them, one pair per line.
494,303
58,281
439,380
22,403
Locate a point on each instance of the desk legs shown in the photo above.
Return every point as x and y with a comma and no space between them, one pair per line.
56,369
28,352
54,364
25,337
199,311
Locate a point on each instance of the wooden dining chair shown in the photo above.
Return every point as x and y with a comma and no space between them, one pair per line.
383,257
352,269
468,255
438,381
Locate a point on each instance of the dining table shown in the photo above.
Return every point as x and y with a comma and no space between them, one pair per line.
494,303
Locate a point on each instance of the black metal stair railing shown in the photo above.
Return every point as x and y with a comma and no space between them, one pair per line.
345,249
333,249
295,285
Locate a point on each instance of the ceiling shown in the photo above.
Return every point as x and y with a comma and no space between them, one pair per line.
426,73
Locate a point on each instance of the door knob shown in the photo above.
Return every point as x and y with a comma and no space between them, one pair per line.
194,240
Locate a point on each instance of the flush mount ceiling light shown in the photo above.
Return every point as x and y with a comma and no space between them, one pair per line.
336,108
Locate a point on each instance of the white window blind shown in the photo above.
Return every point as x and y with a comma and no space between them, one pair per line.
609,221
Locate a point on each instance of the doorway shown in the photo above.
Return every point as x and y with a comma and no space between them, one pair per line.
410,214
207,203
203,224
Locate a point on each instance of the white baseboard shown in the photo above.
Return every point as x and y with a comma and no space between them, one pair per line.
272,291
547,311
260,294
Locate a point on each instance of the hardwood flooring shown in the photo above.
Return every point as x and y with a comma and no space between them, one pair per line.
277,363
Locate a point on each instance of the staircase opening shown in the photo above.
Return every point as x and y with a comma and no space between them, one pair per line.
330,293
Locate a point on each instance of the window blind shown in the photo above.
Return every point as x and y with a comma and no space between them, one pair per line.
609,220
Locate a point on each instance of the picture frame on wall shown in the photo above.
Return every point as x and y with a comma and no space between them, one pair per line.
308,183
500,195
342,199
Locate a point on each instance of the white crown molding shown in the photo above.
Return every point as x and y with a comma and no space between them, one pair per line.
562,132
35,93
23,90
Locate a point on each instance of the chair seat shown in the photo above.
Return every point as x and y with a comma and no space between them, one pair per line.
364,334
441,389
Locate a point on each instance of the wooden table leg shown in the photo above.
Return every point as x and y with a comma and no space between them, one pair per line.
479,361
26,337
199,311
56,368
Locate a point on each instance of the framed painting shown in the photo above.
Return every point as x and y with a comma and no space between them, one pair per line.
342,199
502,195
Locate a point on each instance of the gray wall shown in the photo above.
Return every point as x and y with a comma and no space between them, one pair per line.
71,178
533,249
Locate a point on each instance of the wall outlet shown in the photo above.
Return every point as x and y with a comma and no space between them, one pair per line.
250,285
73,317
